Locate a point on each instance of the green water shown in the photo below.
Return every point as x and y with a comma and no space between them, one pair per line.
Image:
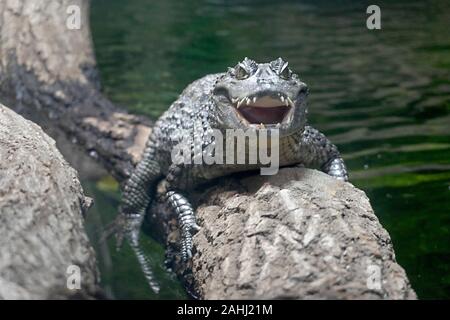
382,96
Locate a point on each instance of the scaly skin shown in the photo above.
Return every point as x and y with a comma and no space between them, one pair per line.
213,102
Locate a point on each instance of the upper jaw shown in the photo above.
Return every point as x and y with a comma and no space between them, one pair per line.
264,110
271,99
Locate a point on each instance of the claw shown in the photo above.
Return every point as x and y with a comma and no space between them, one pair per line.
119,242
186,221
195,227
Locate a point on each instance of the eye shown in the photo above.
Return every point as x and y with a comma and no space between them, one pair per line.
241,73
285,72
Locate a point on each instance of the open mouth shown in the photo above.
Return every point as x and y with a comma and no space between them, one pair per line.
268,109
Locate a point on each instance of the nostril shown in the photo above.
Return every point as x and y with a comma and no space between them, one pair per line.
265,81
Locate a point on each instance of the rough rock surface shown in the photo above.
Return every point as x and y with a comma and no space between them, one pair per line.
41,216
298,235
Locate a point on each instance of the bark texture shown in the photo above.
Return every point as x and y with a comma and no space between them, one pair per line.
299,234
41,221
48,70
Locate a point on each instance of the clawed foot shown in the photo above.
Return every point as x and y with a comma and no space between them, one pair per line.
128,226
187,231
336,168
186,220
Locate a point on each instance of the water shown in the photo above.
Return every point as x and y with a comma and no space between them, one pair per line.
382,96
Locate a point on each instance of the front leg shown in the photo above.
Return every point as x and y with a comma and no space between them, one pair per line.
336,167
186,219
136,195
135,200
317,151
180,177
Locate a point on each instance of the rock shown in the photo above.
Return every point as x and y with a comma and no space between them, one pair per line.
41,217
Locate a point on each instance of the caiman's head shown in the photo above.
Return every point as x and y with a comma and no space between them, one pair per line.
261,95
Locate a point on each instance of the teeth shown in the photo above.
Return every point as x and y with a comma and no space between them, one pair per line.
278,125
248,101
262,125
290,102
